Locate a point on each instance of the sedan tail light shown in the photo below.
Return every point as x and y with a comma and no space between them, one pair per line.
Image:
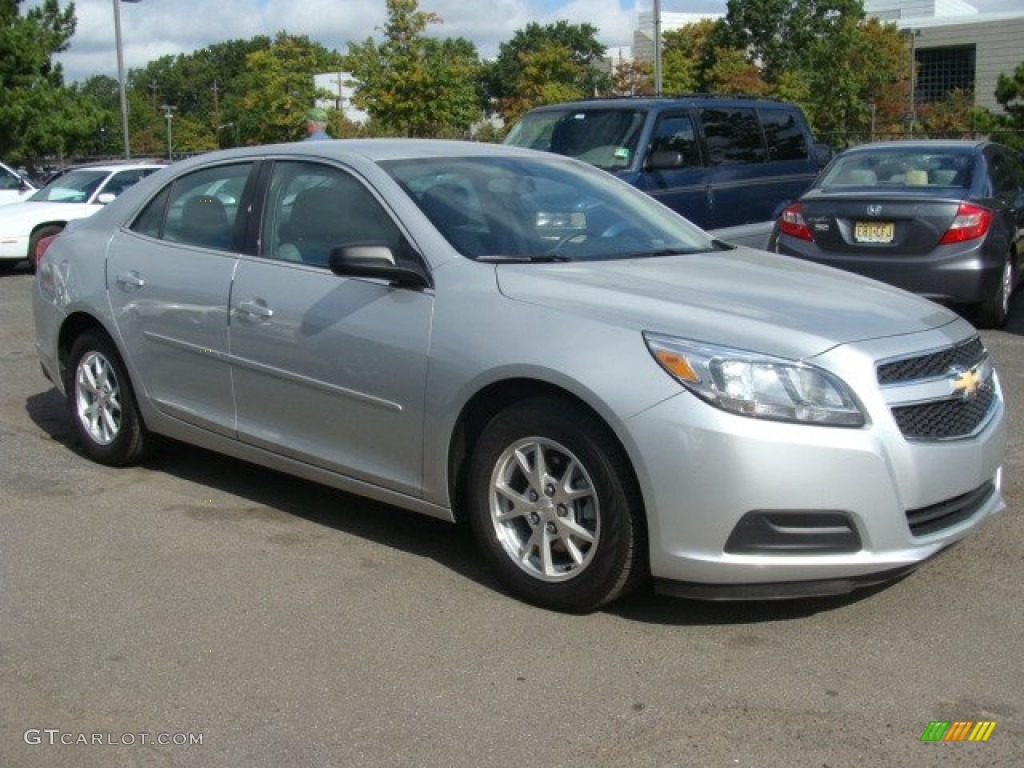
972,221
41,247
792,223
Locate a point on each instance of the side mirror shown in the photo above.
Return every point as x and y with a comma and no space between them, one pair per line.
665,159
106,197
374,260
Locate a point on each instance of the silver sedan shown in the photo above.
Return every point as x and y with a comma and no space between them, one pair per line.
605,393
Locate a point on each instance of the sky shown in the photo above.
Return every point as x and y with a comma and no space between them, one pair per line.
154,28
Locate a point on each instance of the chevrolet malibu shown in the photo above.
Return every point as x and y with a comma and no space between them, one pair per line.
518,340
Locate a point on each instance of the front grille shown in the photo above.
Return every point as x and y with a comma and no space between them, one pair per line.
945,514
966,354
945,419
944,416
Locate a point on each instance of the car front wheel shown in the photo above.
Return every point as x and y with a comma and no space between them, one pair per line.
103,408
554,506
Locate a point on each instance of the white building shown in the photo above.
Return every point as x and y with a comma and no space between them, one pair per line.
342,85
956,46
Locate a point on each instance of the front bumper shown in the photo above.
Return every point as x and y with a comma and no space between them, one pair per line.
705,474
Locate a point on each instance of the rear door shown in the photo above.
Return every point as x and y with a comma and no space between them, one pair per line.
169,278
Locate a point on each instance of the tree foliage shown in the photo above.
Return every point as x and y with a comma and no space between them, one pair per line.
415,85
33,102
277,86
532,52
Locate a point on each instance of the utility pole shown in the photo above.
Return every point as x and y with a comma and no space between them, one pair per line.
169,114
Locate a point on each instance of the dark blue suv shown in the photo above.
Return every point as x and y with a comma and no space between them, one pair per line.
719,161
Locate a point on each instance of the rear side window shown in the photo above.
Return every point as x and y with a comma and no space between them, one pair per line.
782,132
200,209
733,136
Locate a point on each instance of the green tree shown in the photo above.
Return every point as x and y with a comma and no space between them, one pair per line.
278,87
777,35
203,88
504,78
547,75
1009,127
32,103
414,85
686,54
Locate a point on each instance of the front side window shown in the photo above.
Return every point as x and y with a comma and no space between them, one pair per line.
674,133
201,209
733,136
312,209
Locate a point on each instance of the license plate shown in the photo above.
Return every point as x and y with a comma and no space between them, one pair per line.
874,231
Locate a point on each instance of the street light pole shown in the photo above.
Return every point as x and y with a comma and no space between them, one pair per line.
120,72
169,114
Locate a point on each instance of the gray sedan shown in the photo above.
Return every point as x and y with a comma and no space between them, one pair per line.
605,393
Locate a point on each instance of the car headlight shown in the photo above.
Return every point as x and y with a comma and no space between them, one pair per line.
752,384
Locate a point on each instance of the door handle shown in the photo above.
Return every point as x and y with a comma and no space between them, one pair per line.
130,280
256,309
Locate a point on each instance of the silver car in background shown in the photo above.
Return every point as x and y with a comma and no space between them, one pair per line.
515,339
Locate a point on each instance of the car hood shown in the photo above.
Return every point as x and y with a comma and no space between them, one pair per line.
18,216
742,298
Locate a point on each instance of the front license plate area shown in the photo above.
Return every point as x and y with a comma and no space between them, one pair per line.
874,231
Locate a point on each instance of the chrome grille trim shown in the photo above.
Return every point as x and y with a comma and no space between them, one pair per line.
945,394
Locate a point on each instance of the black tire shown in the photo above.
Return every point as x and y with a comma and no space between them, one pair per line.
593,537
104,412
993,313
39,234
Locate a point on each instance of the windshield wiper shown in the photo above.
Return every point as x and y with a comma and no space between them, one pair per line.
537,258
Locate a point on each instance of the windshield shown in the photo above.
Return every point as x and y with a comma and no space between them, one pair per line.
606,138
541,209
901,167
71,187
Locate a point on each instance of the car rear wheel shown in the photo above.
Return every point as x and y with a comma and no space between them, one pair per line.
103,408
554,506
993,313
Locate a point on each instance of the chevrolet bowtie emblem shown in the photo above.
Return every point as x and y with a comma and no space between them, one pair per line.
965,382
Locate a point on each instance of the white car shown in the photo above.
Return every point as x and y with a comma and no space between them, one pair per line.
14,188
72,194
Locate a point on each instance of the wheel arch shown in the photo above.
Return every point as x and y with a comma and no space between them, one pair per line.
75,325
497,396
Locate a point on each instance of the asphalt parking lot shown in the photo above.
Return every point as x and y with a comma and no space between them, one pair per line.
199,611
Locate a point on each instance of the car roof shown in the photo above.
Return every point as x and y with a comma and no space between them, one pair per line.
372,150
924,145
649,102
113,165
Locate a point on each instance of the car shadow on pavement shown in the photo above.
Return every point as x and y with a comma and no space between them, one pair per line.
268,492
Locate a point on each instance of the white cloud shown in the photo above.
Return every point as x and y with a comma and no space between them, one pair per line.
154,28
